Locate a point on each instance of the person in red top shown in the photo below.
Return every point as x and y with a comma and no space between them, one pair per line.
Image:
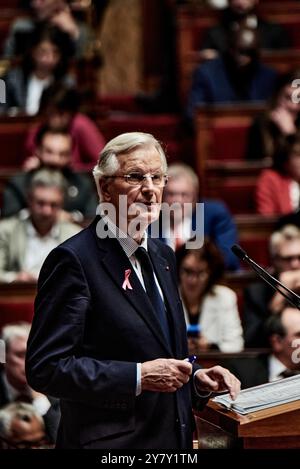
59,109
277,189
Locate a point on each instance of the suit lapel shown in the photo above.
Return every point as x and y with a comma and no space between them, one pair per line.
115,263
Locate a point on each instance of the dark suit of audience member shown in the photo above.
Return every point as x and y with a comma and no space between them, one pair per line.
236,76
260,300
281,331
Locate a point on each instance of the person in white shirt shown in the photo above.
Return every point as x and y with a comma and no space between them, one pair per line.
27,238
45,63
207,304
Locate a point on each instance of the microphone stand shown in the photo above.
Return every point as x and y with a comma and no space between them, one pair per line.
288,294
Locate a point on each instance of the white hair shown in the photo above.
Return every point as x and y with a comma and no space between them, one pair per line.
15,330
108,163
287,234
22,411
182,170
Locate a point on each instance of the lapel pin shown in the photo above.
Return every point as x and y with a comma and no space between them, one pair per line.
167,267
126,284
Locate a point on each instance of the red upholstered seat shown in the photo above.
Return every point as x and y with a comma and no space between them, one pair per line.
11,311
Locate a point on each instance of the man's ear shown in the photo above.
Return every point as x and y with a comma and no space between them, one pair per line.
105,189
276,342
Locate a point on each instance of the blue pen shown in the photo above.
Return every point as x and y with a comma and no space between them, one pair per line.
192,358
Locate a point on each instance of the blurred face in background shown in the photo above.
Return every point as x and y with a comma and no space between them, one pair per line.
194,276
283,346
285,100
44,205
288,256
15,362
55,150
180,190
46,57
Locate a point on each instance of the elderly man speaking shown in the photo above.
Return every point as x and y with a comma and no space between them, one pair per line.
108,336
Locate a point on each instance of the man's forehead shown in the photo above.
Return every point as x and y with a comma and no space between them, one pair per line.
290,246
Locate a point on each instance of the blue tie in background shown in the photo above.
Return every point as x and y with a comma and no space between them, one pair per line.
152,290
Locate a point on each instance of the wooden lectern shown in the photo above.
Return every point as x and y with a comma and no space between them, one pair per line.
274,428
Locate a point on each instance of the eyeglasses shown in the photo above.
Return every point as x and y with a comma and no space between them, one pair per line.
289,258
194,273
137,179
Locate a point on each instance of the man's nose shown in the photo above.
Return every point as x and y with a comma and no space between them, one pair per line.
147,183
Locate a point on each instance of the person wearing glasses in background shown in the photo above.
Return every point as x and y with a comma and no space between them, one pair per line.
108,336
260,300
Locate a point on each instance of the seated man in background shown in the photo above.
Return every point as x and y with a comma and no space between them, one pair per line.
238,14
260,300
27,238
283,333
238,75
54,148
14,386
183,188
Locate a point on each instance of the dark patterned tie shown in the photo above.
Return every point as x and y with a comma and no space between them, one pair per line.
152,290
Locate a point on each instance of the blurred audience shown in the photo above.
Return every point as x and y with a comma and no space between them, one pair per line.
53,12
207,304
21,427
240,14
277,188
15,389
283,333
238,75
45,63
187,219
260,300
59,109
281,118
54,150
27,238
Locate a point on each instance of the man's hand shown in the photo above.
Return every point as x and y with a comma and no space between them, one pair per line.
165,374
217,379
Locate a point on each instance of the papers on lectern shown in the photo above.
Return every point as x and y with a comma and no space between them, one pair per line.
263,396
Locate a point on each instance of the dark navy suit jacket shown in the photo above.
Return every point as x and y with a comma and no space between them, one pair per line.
211,85
87,335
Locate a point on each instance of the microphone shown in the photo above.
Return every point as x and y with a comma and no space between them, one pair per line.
288,294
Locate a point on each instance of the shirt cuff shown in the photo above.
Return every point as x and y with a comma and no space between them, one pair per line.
138,389
197,390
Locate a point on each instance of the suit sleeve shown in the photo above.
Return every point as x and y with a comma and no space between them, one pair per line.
56,363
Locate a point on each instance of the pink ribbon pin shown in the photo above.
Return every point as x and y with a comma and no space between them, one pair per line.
126,284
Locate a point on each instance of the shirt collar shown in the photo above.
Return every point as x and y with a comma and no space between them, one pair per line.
275,368
128,244
31,231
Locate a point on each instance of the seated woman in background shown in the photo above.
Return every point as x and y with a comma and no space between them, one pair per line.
46,63
206,303
277,189
59,109
280,119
